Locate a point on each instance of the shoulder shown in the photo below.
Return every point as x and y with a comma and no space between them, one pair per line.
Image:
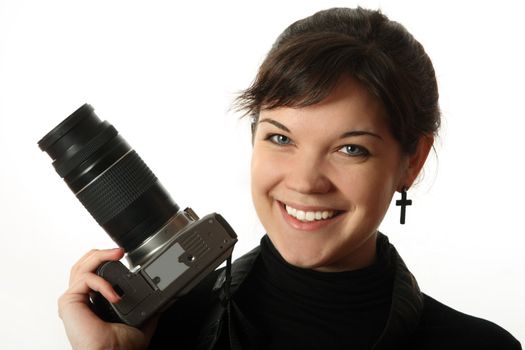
442,327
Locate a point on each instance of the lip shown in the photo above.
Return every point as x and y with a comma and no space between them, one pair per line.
307,225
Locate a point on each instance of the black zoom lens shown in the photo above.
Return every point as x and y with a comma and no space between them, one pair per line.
108,177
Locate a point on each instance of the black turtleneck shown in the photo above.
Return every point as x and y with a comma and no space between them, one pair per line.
295,308
278,306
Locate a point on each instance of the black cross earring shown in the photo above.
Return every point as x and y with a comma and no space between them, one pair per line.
403,202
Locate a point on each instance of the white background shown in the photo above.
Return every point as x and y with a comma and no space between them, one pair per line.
164,74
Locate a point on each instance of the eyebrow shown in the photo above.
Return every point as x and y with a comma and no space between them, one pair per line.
274,122
359,133
352,133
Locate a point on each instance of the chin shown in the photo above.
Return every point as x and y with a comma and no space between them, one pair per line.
318,253
306,255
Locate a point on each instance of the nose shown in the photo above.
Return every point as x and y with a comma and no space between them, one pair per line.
308,174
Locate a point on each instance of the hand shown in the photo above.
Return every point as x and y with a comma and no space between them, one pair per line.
84,329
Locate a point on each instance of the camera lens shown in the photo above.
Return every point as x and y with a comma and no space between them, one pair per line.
108,177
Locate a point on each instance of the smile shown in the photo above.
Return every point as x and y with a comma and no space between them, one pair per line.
308,216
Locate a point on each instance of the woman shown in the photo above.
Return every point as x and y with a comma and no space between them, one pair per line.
344,112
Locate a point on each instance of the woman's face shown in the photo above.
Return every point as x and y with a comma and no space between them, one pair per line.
323,177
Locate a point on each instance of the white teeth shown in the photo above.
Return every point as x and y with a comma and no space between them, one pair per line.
309,215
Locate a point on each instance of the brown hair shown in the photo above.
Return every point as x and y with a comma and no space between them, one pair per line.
310,57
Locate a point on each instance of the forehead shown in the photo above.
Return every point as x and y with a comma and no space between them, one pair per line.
349,105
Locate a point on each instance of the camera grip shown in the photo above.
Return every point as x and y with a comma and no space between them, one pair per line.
102,308
133,290
100,305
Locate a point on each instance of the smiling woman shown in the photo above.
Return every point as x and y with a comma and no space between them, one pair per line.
344,110
337,156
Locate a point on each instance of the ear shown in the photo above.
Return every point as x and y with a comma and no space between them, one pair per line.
416,161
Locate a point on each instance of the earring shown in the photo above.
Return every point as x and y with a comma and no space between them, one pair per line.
403,202
253,124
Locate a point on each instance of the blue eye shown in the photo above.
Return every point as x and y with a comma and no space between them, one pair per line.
279,139
354,151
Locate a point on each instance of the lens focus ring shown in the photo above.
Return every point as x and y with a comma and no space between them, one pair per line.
117,188
64,166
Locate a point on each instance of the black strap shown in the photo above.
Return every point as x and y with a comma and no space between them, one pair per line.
235,343
228,280
237,321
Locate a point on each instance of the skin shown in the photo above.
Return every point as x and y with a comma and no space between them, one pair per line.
338,155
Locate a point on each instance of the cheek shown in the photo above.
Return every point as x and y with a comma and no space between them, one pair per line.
265,174
370,188
265,177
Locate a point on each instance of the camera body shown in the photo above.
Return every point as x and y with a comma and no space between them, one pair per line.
169,250
182,261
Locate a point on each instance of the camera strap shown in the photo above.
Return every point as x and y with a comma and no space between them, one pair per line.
228,280
234,338
237,322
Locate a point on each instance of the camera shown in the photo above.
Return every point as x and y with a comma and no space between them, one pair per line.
169,250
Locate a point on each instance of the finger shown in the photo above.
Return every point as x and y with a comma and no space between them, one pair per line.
92,260
97,254
80,290
74,304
